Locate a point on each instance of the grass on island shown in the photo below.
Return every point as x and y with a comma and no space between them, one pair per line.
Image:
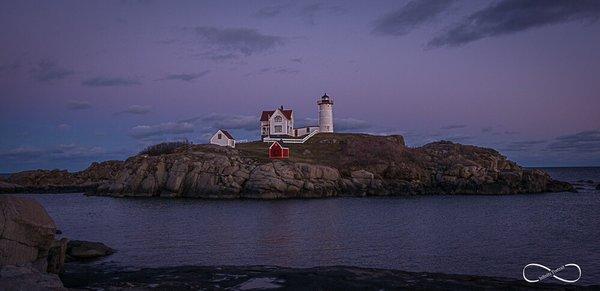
335,149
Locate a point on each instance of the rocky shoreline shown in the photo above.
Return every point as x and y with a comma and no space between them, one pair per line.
31,256
273,277
328,165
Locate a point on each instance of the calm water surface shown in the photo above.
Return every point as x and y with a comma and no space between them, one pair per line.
479,235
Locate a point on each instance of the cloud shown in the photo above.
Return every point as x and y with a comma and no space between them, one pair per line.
311,11
59,152
512,16
487,129
297,60
10,67
226,121
519,146
339,124
275,70
78,105
136,110
585,141
453,126
270,11
409,17
110,81
222,57
245,41
350,124
167,128
21,154
185,77
510,132
63,127
46,70
72,151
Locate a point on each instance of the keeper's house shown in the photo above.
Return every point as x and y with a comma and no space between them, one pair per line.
279,123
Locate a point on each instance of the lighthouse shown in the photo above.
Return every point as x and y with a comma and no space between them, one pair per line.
325,114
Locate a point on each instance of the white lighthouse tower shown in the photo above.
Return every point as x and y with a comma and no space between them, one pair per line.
325,114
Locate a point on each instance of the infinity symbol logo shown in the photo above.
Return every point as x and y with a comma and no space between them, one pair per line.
551,273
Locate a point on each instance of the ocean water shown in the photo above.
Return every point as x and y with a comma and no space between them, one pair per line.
478,235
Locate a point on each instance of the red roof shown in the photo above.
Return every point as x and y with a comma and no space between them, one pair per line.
267,114
227,134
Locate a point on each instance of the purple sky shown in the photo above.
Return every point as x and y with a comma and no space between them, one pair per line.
83,81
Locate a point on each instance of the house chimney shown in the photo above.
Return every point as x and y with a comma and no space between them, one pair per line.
281,107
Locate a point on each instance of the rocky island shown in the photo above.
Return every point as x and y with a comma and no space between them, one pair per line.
328,165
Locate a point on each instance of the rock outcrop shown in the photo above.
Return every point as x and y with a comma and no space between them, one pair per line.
327,165
61,181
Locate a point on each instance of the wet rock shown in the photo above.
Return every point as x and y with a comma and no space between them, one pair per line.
57,256
78,250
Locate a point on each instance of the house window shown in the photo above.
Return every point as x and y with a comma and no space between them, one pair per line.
327,127
278,128
219,137
278,119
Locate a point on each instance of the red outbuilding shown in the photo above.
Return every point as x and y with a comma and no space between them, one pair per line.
276,151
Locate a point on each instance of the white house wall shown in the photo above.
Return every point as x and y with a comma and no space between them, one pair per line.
285,124
224,141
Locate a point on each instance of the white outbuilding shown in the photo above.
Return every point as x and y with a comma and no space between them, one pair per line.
223,138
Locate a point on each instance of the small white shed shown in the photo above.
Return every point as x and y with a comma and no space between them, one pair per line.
223,138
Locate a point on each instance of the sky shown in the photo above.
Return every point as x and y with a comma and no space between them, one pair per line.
84,81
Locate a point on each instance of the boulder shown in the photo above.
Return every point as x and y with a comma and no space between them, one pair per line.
362,175
78,250
26,232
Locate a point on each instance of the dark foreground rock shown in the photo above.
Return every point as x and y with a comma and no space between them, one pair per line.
29,254
26,232
26,278
78,250
327,165
267,277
